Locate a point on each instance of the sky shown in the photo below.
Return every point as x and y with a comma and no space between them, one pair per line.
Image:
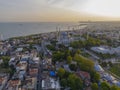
58,10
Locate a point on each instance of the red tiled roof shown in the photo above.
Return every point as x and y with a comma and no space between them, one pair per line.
83,74
1,80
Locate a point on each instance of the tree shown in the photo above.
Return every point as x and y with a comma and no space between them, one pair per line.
63,83
76,57
110,64
94,86
104,64
67,52
105,86
69,59
51,47
5,61
58,56
73,67
78,84
61,72
114,88
12,70
84,63
75,83
66,74
78,51
96,77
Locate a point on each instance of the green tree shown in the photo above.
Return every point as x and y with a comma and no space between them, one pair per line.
78,84
76,57
61,72
69,59
51,47
114,88
12,70
86,43
75,83
67,52
96,77
94,86
66,74
105,86
84,63
58,56
63,83
78,51
5,61
73,67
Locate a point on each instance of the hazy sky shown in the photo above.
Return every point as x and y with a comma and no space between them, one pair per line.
59,10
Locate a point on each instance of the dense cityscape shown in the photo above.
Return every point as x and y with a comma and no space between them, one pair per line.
82,57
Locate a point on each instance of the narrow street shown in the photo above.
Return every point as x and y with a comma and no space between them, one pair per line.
39,77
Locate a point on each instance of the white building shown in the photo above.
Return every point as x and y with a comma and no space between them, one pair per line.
106,50
50,84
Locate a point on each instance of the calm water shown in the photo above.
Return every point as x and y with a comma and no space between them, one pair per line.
20,29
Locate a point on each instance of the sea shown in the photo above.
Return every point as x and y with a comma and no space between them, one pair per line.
14,29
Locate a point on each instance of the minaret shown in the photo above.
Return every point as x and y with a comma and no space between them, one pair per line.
58,34
87,35
1,37
119,35
68,27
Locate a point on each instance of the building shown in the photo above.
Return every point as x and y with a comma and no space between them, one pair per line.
3,80
33,72
21,75
13,85
98,68
103,50
109,78
84,76
106,50
19,49
63,38
12,61
29,84
50,84
22,65
36,60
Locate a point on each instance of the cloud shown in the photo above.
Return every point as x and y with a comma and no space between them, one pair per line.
24,8
73,5
103,7
53,1
96,7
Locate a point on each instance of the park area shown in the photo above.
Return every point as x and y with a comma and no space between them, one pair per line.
115,69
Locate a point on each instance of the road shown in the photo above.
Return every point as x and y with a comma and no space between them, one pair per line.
92,54
40,69
39,80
